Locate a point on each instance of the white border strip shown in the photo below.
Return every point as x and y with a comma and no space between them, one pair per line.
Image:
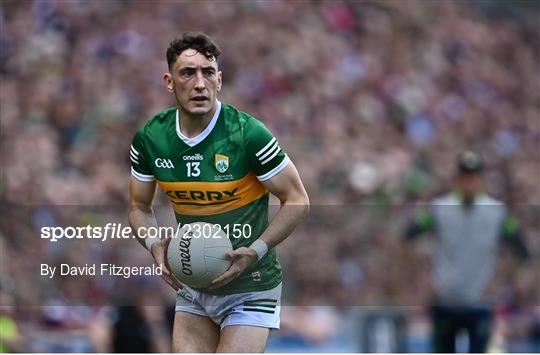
276,170
142,177
201,136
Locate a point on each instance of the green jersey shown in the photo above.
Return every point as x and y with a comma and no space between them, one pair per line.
216,177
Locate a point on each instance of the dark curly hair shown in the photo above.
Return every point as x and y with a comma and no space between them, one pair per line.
198,41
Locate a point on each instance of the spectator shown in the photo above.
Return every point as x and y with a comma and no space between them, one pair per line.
469,226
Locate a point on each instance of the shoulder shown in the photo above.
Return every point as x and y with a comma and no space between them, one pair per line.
449,199
492,204
234,116
486,200
246,129
160,120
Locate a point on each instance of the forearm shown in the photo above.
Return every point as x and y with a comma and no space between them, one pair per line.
289,216
141,219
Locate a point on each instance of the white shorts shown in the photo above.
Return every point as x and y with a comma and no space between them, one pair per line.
259,309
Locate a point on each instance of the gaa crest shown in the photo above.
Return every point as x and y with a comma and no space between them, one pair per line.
221,163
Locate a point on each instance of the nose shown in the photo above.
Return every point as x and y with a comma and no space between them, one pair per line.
199,81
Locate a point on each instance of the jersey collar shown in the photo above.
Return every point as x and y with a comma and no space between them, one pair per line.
201,136
477,198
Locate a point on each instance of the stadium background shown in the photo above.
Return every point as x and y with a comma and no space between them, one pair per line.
372,100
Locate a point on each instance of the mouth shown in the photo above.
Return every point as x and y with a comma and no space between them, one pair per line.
199,98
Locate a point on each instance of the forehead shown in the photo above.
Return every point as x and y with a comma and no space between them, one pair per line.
193,59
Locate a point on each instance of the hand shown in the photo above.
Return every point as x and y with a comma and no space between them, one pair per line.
241,259
158,252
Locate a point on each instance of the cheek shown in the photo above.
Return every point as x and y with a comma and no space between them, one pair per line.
179,88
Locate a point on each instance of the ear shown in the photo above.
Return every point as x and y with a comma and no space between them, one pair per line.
220,78
167,78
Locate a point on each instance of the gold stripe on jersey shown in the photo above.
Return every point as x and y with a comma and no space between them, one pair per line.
209,198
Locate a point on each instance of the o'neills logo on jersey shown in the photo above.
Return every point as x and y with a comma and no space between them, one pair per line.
164,163
195,157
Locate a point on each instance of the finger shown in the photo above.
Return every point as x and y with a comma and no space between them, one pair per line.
176,281
169,282
167,241
172,282
225,278
160,260
220,283
165,270
221,277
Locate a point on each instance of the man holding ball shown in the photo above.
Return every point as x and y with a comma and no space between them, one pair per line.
217,165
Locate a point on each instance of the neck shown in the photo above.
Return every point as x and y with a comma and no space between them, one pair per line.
467,199
192,125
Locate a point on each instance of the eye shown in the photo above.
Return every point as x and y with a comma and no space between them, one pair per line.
187,73
209,73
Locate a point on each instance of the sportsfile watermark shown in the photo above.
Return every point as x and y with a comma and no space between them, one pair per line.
355,255
120,231
103,269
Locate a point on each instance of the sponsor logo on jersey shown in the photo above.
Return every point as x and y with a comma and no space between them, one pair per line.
206,197
164,163
195,157
198,198
221,163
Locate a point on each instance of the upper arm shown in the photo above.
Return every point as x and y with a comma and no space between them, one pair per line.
263,152
512,238
141,168
143,183
271,165
287,186
423,221
141,193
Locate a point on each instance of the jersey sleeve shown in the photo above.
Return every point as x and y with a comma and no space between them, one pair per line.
424,221
140,167
512,238
265,155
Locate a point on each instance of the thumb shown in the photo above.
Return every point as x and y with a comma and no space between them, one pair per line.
231,254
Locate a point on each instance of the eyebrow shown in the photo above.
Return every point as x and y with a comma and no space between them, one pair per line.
196,67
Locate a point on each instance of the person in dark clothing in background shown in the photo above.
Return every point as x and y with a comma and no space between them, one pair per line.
140,329
470,226
131,333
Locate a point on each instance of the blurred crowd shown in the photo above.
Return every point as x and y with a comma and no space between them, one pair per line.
372,100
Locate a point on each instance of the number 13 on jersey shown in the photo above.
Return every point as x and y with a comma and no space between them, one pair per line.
193,168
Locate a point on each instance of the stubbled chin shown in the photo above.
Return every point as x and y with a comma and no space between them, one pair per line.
201,110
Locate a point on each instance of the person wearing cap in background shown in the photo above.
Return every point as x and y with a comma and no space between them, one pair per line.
469,226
